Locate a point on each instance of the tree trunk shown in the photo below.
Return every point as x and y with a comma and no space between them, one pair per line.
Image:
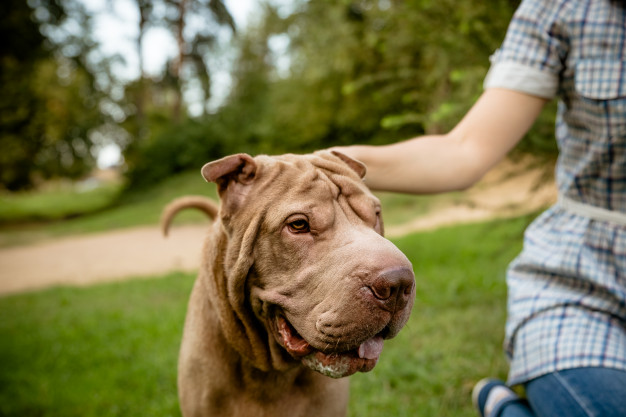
140,100
178,63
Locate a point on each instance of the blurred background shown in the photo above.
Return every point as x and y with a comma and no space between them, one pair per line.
152,88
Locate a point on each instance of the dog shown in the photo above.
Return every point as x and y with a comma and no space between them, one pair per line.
297,288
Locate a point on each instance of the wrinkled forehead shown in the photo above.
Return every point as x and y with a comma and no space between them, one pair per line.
304,172
311,185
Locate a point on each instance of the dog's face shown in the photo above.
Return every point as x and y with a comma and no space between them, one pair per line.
323,282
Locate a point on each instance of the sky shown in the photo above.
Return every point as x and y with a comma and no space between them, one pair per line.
117,32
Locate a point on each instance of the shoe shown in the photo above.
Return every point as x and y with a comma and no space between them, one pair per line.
490,395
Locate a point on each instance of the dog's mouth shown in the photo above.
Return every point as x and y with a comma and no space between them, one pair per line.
333,364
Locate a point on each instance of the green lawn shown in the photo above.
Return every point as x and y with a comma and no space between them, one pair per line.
29,217
56,202
110,350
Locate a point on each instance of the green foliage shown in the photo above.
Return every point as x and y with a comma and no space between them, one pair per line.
110,350
172,149
371,71
50,101
327,73
175,149
19,139
349,72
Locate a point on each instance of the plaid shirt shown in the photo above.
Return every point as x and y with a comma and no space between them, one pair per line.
567,289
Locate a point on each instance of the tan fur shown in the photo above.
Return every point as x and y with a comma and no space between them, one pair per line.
275,303
192,201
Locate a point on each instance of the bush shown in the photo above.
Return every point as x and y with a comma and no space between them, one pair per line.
177,148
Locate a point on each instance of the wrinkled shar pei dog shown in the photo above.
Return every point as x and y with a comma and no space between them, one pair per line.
297,289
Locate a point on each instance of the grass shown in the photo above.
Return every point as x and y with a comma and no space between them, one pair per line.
57,202
107,350
143,207
110,350
402,208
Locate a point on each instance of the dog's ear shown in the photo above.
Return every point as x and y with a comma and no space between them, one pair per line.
356,166
240,168
233,175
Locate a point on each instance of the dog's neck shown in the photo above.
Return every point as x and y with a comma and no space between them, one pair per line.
273,385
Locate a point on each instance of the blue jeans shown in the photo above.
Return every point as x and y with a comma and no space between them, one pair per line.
580,392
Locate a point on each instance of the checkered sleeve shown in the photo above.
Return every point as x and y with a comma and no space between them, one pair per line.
532,54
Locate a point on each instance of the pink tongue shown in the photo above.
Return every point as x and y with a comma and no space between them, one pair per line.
371,349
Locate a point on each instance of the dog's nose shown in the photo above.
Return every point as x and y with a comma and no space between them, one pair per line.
393,288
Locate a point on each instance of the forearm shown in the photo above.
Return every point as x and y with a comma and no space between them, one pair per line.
457,160
423,165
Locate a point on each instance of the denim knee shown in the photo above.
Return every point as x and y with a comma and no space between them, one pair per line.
580,392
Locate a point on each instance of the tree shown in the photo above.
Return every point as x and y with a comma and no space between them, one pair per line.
50,101
348,71
365,71
145,12
22,48
194,47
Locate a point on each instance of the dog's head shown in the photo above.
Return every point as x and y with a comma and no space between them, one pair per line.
308,276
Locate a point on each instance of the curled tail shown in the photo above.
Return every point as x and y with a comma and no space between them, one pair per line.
204,204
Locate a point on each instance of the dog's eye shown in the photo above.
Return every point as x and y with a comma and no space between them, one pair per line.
299,226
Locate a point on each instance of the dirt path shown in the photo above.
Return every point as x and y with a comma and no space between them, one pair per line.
115,255
508,190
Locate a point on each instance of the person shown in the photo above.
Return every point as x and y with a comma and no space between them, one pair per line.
566,323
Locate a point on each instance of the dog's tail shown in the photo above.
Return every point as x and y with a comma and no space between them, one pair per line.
204,204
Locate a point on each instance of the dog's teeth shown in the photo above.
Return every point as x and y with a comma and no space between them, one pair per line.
371,348
362,350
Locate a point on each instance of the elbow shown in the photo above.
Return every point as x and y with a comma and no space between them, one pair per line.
470,176
471,166
465,183
464,186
